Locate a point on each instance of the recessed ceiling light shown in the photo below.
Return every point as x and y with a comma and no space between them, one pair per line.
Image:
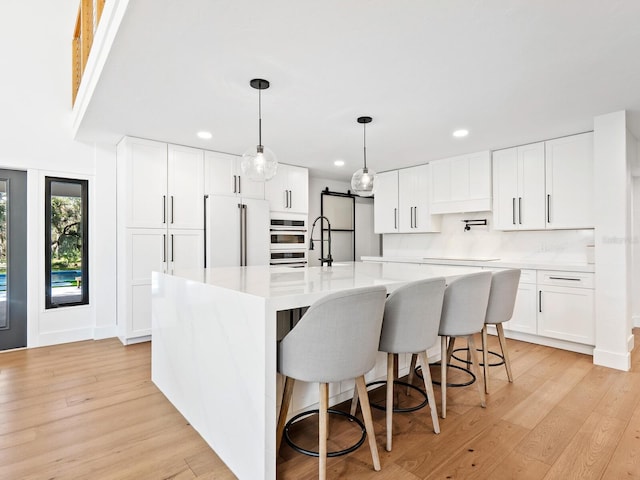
461,133
339,163
205,135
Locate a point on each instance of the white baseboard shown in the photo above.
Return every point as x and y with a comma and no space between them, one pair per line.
131,341
100,333
631,343
546,341
65,336
617,360
635,320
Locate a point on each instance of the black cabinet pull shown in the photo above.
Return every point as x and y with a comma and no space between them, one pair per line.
235,188
172,247
540,301
164,209
520,210
548,208
164,248
204,228
565,278
395,218
172,209
513,210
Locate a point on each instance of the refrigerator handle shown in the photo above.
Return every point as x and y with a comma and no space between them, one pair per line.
244,239
204,228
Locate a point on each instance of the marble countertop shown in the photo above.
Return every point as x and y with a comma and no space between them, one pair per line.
488,262
279,282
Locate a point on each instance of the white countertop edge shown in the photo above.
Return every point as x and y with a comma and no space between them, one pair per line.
528,264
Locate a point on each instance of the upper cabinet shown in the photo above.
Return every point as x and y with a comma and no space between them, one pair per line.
288,191
461,184
545,185
185,169
385,203
223,176
402,204
569,182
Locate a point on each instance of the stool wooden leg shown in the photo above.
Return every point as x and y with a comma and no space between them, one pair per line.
389,407
443,375
503,347
368,422
322,440
326,393
428,385
354,401
485,359
476,369
412,373
284,409
452,343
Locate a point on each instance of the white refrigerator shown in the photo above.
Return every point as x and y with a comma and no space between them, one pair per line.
237,231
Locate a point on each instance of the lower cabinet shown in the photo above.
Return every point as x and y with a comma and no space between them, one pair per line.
566,306
556,305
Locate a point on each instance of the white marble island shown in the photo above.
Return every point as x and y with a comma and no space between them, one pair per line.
214,346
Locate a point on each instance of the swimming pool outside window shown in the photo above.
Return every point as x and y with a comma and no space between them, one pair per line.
66,242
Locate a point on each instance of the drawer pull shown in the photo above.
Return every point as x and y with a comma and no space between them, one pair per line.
566,278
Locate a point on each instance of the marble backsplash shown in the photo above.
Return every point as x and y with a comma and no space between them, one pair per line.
568,246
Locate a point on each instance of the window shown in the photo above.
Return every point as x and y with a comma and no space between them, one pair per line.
66,242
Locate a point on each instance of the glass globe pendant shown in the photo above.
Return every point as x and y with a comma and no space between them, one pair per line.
259,163
362,180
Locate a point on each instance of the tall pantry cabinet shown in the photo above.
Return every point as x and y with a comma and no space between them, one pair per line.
160,224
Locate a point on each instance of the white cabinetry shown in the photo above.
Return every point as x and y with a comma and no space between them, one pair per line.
223,176
545,185
160,203
402,204
288,191
569,182
461,184
385,203
524,312
566,306
518,188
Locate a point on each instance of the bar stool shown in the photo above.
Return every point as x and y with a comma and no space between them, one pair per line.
410,325
463,314
502,299
335,340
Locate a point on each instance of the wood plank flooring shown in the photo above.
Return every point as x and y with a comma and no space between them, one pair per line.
89,410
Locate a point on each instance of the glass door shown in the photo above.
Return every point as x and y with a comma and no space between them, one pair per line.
13,259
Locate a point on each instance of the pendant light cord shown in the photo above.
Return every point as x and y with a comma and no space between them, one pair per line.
259,117
364,144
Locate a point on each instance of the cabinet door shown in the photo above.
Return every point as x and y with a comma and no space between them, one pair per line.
145,164
257,231
146,253
298,186
385,203
186,249
408,198
566,313
276,190
569,182
505,189
223,232
530,206
220,177
186,187
524,312
140,313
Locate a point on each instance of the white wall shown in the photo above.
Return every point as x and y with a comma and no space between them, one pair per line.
612,241
568,246
35,134
635,252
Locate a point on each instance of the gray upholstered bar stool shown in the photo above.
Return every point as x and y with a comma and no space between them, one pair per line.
502,299
335,340
410,325
463,314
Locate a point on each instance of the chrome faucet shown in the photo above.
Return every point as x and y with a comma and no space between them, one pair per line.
329,259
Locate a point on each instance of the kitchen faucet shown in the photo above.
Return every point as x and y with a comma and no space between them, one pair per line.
329,259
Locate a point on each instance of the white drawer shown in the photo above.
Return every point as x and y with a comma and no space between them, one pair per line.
566,279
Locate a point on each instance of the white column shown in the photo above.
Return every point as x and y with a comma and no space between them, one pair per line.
612,242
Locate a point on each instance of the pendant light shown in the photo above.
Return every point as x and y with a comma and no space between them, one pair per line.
259,163
362,180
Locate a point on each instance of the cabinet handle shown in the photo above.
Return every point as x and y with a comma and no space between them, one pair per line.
565,278
548,208
235,188
164,209
540,301
290,199
172,248
415,217
164,248
172,209
286,199
239,185
395,218
520,210
513,210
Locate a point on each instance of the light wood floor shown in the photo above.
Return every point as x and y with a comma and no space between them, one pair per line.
88,410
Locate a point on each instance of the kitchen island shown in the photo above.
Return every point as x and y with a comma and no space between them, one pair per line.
214,346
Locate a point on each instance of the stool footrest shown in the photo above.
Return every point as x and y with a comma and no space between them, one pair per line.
418,372
336,453
398,409
501,362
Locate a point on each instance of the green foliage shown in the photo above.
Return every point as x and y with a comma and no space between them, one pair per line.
66,233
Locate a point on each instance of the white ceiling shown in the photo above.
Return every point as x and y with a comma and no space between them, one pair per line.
511,72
